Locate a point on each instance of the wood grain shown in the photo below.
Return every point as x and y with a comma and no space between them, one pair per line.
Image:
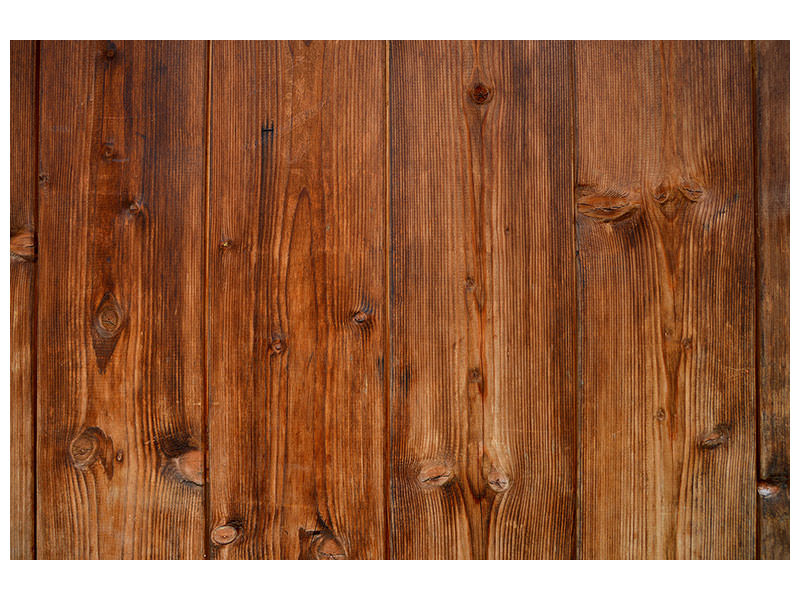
296,300
665,234
24,80
120,378
771,60
483,440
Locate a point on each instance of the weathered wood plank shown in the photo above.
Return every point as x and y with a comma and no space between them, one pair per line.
483,301
665,235
120,377
296,300
772,143
23,290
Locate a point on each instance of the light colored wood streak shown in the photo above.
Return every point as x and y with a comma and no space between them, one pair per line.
666,307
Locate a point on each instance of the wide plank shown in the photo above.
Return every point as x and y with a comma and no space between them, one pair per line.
483,439
120,376
296,312
664,198
24,106
771,61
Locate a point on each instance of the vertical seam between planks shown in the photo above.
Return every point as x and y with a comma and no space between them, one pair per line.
755,130
35,308
206,232
577,332
387,362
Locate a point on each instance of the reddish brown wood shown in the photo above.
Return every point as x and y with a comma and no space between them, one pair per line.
771,60
120,376
296,300
665,235
24,75
483,434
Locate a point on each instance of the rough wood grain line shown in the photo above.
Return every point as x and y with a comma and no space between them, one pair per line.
771,61
120,465
483,386
667,297
296,300
24,75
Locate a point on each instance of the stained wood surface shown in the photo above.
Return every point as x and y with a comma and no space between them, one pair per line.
24,79
120,302
665,239
297,300
404,300
483,386
772,145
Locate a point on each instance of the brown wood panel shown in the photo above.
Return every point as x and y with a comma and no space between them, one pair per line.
665,233
772,147
120,376
24,104
296,317
483,441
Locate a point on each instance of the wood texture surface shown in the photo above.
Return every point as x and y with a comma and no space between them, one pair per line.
665,237
24,77
296,300
772,147
120,377
412,300
483,330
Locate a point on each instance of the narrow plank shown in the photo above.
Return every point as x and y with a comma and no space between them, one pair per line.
296,300
772,86
120,413
665,234
483,301
23,298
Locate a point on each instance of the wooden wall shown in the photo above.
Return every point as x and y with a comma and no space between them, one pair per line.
399,300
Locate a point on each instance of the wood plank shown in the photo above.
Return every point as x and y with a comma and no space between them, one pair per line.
772,106
23,298
120,377
665,235
296,323
483,301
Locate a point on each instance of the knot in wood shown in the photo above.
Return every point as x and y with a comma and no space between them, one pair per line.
661,414
108,150
716,437
277,346
89,447
224,534
469,284
434,474
330,548
225,245
111,50
480,94
360,317
475,375
189,466
498,480
44,179
768,489
23,246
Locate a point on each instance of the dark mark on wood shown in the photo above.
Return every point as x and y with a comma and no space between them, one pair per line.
107,324
716,437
